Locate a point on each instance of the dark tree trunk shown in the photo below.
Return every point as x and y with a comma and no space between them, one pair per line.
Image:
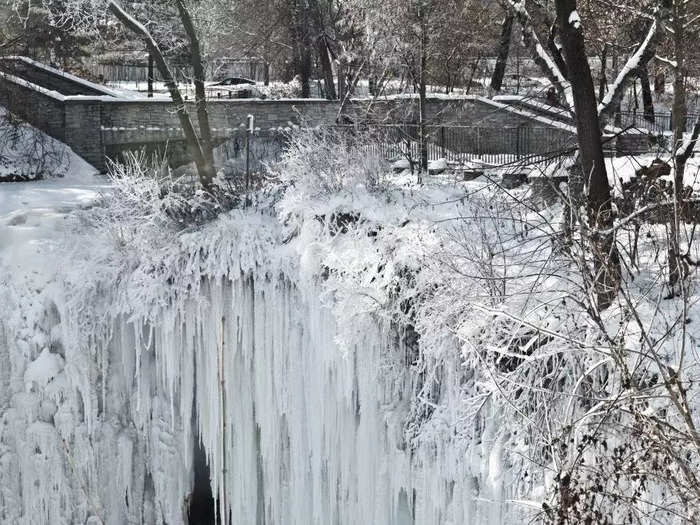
342,81
679,117
606,269
304,70
555,51
503,51
422,91
648,50
322,47
325,60
603,80
532,42
616,104
303,46
200,95
472,73
188,130
150,74
647,99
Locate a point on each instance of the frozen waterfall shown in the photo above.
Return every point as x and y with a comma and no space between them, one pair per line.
301,425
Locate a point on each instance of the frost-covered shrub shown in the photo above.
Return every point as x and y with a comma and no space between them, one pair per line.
147,194
28,154
324,161
280,90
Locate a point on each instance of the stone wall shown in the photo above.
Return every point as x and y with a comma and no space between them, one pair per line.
40,109
464,111
140,120
472,125
83,122
68,109
48,78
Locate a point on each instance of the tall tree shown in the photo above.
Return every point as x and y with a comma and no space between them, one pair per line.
199,146
503,51
599,209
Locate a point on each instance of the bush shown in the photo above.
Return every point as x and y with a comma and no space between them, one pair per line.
324,161
28,154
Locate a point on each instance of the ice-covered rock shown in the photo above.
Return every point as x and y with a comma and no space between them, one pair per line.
43,369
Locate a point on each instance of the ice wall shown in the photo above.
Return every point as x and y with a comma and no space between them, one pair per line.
303,412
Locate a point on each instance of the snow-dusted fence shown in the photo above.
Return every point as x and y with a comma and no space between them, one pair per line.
662,123
264,148
495,145
138,73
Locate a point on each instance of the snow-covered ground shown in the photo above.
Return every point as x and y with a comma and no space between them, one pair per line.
32,217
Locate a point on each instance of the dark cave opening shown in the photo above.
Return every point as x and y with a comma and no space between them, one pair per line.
202,508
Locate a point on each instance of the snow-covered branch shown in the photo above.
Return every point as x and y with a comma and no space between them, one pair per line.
644,53
545,62
688,146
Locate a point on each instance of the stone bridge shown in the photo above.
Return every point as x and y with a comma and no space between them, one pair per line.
99,123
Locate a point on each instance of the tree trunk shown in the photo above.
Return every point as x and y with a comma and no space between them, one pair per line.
475,67
503,51
302,47
327,67
423,89
539,54
679,116
555,51
616,104
199,90
647,99
606,262
185,122
150,74
323,49
603,80
644,52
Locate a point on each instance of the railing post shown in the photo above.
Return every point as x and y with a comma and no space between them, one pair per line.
478,141
248,133
442,141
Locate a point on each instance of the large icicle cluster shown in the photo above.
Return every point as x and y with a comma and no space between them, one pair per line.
230,337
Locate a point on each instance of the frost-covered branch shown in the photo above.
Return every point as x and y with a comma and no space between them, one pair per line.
686,149
644,53
185,122
546,63
671,63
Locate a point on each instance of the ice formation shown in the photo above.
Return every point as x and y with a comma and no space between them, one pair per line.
302,408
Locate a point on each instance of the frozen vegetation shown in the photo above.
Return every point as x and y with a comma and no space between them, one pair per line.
350,349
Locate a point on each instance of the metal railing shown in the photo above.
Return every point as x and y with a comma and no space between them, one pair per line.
659,124
459,144
240,154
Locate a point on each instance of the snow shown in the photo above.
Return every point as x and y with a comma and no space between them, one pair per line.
32,217
301,390
437,166
43,369
631,65
339,348
575,19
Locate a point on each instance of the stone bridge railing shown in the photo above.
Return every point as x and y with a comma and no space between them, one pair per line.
98,123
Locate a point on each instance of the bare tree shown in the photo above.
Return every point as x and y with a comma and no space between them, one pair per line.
503,51
200,148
